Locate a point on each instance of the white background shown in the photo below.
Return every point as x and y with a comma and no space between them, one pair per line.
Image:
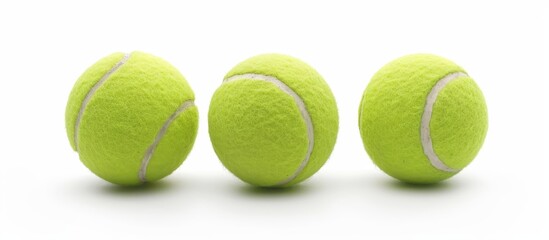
46,193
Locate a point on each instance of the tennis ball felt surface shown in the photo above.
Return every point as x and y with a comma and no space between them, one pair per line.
273,121
131,118
422,118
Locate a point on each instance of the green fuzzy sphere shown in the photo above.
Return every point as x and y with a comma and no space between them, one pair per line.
422,118
273,122
131,118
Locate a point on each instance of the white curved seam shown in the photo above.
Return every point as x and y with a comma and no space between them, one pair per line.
302,110
92,92
426,140
150,151
361,111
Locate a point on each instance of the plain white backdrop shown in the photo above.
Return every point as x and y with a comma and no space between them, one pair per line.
46,193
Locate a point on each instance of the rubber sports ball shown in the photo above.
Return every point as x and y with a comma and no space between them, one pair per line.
131,118
273,121
422,119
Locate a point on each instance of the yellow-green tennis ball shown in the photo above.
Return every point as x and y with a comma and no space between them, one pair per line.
273,121
422,118
131,118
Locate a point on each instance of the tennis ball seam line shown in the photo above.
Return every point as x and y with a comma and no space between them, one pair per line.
92,91
302,109
425,130
151,149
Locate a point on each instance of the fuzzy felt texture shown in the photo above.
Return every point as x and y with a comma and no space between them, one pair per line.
256,129
125,114
390,118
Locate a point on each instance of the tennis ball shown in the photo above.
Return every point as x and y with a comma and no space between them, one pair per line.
422,119
131,118
273,122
